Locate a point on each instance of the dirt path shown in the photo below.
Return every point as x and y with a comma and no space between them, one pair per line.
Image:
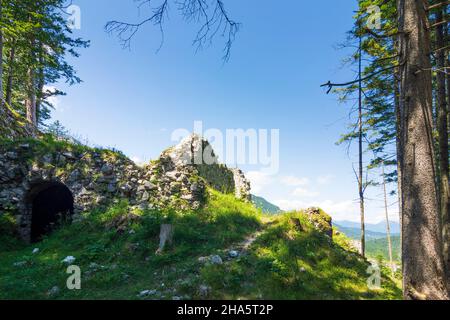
250,239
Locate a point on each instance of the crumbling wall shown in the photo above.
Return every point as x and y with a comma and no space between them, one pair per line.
94,177
198,154
97,177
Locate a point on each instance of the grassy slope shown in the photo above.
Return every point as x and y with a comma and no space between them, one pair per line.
126,263
265,205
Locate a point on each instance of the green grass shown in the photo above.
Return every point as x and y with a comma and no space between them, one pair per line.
120,265
49,144
129,260
285,263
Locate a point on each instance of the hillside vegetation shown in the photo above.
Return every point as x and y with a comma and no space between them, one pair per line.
265,206
376,243
379,248
261,257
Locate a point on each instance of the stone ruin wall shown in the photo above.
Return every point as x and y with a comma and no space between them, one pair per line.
97,178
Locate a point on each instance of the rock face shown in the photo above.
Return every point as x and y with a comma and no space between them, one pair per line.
26,170
320,220
187,168
178,179
242,185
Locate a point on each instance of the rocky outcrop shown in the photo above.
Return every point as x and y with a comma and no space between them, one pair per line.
97,177
196,156
320,220
242,185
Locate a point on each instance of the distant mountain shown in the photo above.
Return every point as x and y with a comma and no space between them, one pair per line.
376,237
378,227
355,233
265,205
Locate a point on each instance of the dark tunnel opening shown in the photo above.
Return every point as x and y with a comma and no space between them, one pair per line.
51,206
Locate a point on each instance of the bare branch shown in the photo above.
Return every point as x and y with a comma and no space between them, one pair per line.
331,85
126,31
210,14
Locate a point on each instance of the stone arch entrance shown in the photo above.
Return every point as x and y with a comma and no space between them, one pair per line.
50,204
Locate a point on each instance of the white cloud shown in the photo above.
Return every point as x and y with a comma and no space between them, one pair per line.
302,192
294,181
259,180
138,160
325,179
53,100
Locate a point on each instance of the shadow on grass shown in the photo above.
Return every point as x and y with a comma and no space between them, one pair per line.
288,264
124,263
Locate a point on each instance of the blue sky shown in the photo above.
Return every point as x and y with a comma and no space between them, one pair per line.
134,99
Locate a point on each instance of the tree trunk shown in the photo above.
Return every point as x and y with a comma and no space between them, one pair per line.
446,219
360,145
30,103
398,144
1,56
442,124
388,226
40,80
9,82
423,268
165,237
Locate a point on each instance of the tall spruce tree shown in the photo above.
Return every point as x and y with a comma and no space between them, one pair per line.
37,43
423,267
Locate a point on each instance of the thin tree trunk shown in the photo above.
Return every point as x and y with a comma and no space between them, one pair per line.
423,268
165,237
397,138
446,219
40,80
9,82
40,89
1,56
360,145
442,124
388,226
30,103
398,144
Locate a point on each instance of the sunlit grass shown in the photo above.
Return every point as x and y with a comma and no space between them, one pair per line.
283,262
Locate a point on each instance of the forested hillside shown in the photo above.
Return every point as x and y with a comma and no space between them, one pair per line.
265,205
379,248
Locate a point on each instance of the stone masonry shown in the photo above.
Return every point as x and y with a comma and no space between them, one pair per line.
97,177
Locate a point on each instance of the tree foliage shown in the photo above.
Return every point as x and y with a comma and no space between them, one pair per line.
37,43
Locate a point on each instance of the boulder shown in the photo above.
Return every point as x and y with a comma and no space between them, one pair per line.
149,186
320,220
54,291
216,260
68,260
204,291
